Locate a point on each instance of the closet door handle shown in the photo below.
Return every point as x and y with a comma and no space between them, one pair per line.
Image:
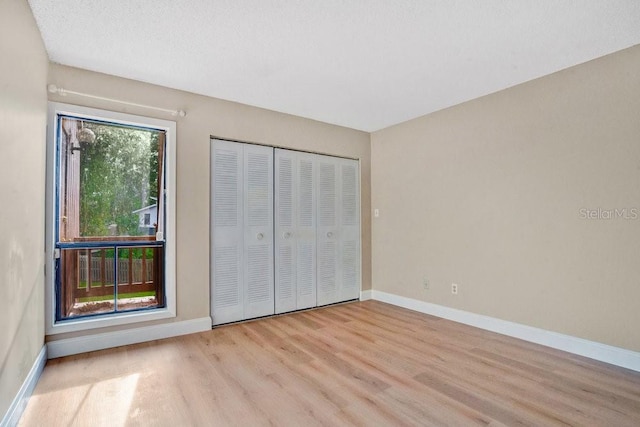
259,236
287,235
329,234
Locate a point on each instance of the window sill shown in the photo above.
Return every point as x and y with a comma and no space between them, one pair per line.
107,320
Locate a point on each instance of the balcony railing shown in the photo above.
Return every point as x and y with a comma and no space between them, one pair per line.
97,271
110,274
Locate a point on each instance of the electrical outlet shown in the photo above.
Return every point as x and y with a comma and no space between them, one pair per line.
454,289
425,283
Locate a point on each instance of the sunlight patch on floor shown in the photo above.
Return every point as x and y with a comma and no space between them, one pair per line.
105,403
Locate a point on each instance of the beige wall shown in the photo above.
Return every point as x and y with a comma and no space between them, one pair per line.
205,117
23,106
488,195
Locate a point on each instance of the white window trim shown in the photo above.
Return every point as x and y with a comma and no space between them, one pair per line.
51,326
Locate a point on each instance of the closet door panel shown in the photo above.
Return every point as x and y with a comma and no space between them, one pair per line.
285,244
295,231
327,231
349,225
305,234
227,232
258,231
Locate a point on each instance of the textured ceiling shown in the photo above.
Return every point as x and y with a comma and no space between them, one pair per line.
364,64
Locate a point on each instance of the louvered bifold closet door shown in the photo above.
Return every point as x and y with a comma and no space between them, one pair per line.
295,230
227,224
349,226
285,231
258,231
327,231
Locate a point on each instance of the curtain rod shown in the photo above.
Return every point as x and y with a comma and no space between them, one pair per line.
63,92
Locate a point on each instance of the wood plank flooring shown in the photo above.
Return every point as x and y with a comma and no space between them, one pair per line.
363,364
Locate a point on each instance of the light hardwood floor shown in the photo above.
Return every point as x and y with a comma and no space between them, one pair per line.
364,363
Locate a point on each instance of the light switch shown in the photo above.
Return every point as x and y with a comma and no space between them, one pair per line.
376,213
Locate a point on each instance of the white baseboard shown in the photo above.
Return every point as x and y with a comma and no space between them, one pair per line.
593,350
365,295
69,346
13,415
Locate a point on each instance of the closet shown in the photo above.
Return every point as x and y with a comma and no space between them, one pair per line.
285,230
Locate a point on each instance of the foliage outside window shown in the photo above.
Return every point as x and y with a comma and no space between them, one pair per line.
118,175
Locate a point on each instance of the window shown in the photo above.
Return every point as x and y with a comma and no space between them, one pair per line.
110,221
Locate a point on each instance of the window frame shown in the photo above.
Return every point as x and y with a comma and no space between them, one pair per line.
52,326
